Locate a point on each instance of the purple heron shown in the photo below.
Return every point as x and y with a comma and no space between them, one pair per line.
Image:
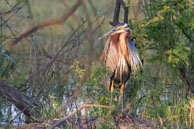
120,56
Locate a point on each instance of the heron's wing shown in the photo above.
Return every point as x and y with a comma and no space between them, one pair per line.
134,56
110,55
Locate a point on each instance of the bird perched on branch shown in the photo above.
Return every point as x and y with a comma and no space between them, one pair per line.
120,56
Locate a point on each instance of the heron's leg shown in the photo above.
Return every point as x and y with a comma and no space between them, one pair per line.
121,90
111,91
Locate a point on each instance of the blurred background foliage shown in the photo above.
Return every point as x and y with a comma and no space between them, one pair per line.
161,91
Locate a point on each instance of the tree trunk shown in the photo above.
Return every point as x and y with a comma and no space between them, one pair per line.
24,103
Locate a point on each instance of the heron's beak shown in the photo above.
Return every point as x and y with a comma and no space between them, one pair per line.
107,33
115,30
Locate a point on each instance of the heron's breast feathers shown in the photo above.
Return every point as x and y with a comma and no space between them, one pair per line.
122,67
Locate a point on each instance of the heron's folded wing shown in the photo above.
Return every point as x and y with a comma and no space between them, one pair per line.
110,55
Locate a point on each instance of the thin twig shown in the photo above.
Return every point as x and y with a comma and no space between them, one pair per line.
46,69
48,23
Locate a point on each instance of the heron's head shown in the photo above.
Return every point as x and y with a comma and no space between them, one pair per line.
118,29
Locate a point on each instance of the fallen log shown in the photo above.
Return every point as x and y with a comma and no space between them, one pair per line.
24,103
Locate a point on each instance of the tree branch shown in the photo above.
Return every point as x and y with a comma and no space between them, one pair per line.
117,11
20,100
125,11
49,23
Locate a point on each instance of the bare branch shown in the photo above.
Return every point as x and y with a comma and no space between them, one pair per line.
117,11
93,7
48,23
125,11
89,59
20,100
29,9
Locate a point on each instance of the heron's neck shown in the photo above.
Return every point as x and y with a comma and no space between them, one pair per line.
123,43
124,36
